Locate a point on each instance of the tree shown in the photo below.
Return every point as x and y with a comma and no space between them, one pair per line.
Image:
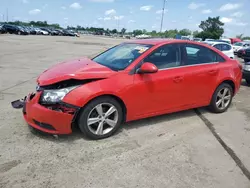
212,28
144,31
137,32
123,31
171,33
114,31
195,33
245,38
185,32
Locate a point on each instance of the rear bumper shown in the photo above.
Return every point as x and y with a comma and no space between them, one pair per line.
44,119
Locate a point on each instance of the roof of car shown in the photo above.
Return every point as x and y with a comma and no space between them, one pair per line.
158,41
215,42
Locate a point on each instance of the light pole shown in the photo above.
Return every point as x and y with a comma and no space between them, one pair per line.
162,14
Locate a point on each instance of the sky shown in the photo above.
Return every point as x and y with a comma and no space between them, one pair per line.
132,14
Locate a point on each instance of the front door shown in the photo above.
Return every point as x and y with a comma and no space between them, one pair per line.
162,91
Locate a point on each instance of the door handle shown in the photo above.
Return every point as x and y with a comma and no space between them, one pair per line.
212,72
178,79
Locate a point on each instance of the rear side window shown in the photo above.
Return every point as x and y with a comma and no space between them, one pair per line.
225,47
218,46
196,54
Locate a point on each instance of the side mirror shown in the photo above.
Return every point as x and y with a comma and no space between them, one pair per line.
147,68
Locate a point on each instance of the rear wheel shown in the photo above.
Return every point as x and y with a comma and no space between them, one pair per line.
222,98
100,118
246,60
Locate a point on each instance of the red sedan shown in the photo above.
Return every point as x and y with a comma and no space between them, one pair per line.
133,80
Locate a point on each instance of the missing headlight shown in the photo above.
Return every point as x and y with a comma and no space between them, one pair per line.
65,84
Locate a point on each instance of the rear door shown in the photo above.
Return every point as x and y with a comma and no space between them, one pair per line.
202,64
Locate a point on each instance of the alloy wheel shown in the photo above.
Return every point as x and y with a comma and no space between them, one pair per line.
223,98
102,118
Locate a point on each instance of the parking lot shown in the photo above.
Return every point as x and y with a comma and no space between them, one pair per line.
184,149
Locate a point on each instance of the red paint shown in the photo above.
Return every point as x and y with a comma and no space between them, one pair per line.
144,95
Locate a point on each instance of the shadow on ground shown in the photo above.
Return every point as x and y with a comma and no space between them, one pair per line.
76,135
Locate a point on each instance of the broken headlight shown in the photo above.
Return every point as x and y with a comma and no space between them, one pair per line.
55,95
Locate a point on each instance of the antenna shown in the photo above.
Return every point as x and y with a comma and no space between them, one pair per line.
162,14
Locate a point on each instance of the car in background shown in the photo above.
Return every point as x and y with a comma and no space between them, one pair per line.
46,29
234,40
246,55
22,30
224,40
11,29
240,52
143,36
185,38
226,48
156,71
69,33
246,72
239,45
209,40
197,39
2,29
32,30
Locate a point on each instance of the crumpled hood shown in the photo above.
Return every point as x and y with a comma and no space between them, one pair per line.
80,69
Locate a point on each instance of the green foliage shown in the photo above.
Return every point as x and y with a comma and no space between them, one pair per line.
245,38
212,28
185,32
137,32
123,30
114,31
35,24
240,36
195,33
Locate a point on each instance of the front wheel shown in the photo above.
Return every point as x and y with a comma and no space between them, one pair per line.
100,118
222,98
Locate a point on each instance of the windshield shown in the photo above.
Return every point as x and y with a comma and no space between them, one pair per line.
238,44
121,56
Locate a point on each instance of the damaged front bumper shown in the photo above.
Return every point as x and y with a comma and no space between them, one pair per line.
44,118
18,103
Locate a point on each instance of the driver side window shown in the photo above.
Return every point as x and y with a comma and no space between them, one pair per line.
166,56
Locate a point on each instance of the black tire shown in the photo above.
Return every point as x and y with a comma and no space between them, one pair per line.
213,107
246,60
83,117
248,81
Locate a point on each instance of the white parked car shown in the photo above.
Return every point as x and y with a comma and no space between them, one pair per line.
143,36
240,45
226,48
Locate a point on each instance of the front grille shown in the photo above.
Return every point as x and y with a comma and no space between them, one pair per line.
44,125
